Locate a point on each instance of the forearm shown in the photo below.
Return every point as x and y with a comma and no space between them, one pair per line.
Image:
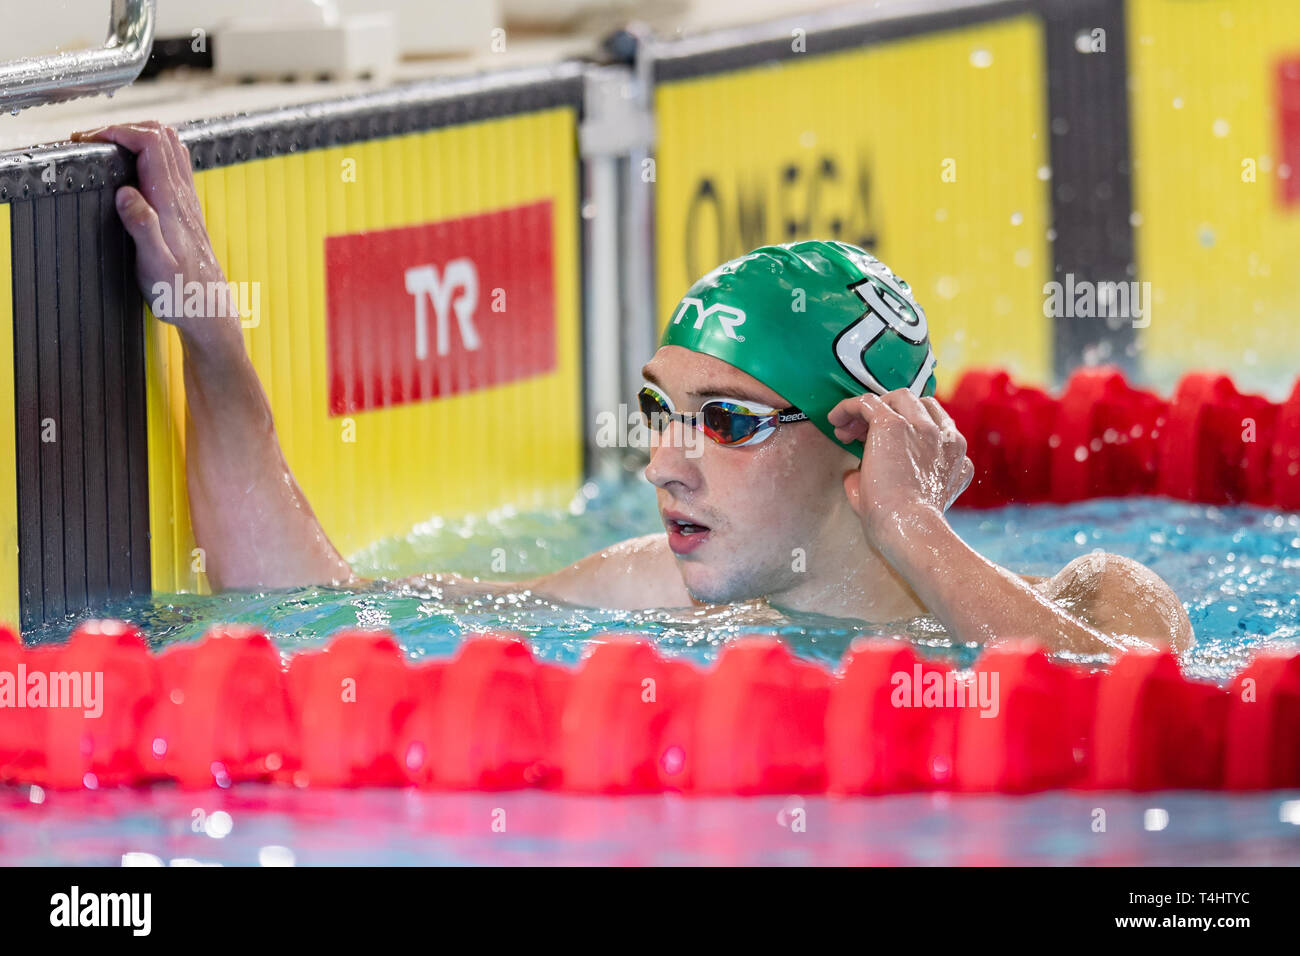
249,515
975,599
250,518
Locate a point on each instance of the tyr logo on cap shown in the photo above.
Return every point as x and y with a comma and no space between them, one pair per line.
730,317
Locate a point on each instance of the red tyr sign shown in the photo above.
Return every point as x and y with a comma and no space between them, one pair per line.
439,309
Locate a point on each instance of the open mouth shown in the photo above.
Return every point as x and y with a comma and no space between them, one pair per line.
685,534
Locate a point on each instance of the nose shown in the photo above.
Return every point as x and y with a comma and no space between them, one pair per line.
674,458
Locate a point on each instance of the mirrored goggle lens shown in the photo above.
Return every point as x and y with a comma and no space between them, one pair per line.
730,424
656,411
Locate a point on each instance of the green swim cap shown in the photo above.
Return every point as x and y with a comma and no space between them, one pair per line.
818,321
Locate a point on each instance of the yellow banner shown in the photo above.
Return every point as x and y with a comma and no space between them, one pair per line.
1214,238
375,473
8,446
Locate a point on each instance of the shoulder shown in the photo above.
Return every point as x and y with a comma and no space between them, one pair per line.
1118,595
634,574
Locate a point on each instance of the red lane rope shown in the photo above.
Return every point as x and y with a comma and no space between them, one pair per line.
1103,437
357,713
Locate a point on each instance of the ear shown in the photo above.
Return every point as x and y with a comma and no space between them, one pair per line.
853,488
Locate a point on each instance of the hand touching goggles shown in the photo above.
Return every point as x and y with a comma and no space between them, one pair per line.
727,421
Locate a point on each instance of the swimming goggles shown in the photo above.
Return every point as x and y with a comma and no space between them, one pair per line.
727,421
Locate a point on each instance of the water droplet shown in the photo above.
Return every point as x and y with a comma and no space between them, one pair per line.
947,287
275,856
1155,818
218,824
673,760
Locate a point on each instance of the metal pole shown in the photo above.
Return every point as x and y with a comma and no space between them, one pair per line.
66,76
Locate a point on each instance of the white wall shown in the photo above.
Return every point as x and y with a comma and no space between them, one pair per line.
59,25
424,26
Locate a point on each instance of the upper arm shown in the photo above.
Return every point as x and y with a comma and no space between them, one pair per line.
1121,597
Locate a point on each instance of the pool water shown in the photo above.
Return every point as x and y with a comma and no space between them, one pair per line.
1236,569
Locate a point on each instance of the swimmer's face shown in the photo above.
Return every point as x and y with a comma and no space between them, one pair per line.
764,511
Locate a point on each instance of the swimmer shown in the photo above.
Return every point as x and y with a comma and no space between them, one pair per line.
821,484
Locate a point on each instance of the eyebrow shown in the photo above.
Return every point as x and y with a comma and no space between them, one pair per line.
712,391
